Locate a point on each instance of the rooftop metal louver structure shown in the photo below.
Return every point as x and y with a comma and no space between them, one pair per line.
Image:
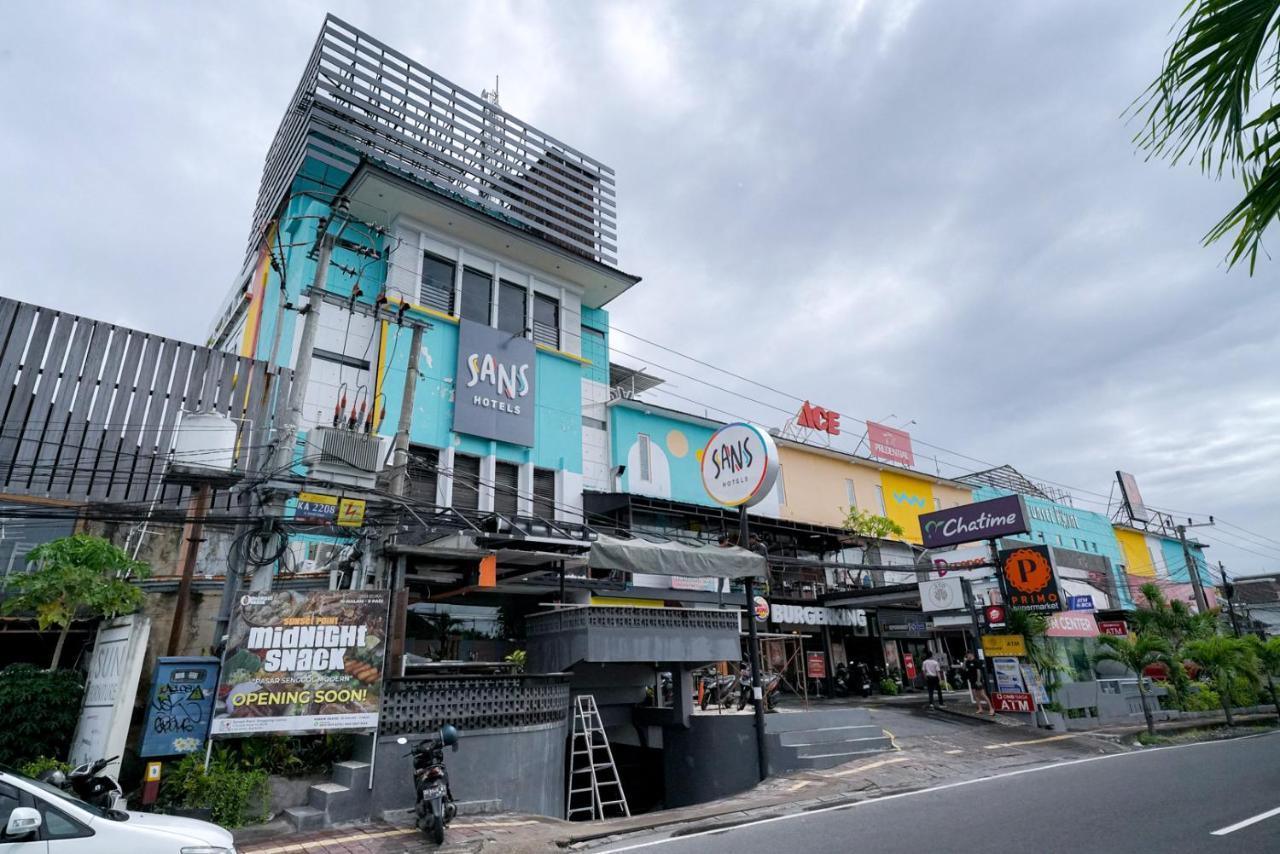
360,98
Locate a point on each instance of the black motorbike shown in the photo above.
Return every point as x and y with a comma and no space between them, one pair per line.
717,688
861,679
433,797
89,784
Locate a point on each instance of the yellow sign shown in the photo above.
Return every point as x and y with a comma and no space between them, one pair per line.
351,512
315,507
153,772
1004,645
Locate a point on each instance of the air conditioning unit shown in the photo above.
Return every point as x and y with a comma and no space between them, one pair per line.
346,457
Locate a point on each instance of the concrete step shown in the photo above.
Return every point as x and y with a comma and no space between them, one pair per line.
809,719
305,818
352,774
322,795
862,745
828,735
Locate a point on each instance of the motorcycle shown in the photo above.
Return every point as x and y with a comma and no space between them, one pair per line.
433,799
863,679
769,683
717,688
89,784
841,681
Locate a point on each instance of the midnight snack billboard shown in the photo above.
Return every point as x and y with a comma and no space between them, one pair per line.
303,662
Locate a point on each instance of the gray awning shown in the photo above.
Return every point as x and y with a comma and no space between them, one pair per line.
669,558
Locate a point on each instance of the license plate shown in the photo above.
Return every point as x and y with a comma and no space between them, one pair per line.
435,790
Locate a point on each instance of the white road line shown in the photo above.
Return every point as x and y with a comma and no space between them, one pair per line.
653,843
862,768
1263,816
1032,741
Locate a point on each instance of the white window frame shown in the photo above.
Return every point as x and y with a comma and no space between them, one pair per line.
644,458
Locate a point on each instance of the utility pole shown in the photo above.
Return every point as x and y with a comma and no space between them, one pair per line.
1196,584
753,653
192,537
399,486
1229,591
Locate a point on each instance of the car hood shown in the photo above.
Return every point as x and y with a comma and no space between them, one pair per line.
196,831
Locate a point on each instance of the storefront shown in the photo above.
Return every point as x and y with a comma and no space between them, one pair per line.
904,643
823,636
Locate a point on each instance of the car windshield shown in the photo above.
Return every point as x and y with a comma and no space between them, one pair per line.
54,791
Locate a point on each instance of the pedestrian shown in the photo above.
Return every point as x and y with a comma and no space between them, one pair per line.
933,678
977,685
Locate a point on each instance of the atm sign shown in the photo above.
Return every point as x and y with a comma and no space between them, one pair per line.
1012,702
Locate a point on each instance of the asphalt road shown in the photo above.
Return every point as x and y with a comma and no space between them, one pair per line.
1192,798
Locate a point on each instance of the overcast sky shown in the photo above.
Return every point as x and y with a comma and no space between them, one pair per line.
927,209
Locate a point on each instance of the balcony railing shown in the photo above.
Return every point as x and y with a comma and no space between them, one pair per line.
617,634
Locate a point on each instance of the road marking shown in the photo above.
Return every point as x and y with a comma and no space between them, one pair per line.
1248,821
798,786
1032,741
872,765
952,752
892,739
653,843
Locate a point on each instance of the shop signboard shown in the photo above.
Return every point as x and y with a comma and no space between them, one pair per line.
1034,685
1028,581
983,520
816,615
942,594
1072,624
110,688
1010,701
995,616
497,378
180,708
739,465
969,561
1079,603
302,662
684,582
890,443
1008,674
815,665
1004,645
817,418
909,665
1115,628
903,625
761,607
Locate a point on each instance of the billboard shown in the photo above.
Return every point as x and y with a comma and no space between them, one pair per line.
890,443
495,387
984,520
302,662
1132,497
1028,580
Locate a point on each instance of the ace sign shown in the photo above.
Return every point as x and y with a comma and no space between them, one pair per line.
1028,581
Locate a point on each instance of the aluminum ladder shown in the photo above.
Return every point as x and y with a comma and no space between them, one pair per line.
594,786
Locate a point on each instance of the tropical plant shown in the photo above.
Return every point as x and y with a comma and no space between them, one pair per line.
39,710
1034,629
888,686
867,524
1268,654
518,657
1225,660
1215,101
1135,652
76,577
41,764
1175,622
236,796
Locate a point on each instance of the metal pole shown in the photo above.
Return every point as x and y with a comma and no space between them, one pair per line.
400,449
1229,590
1194,571
753,653
197,507
977,629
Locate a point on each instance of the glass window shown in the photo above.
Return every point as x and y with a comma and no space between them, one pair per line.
8,802
880,499
546,320
937,504
477,294
60,826
642,452
436,290
782,488
424,464
850,492
512,303
466,482
506,488
544,493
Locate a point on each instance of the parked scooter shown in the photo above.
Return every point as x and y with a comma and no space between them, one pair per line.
432,795
717,688
841,680
769,683
862,678
89,784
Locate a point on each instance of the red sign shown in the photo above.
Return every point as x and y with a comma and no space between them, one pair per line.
994,615
1072,624
909,665
1119,628
817,418
1013,702
816,665
889,443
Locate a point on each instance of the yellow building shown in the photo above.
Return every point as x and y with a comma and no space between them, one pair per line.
819,485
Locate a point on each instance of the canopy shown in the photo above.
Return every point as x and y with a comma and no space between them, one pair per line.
669,558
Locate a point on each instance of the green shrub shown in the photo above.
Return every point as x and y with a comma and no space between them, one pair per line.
236,796
1246,693
1203,699
39,710
41,764
287,756
888,686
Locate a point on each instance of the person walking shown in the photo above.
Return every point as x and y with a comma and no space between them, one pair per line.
977,685
933,678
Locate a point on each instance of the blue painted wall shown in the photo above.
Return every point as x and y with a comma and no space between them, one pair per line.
675,445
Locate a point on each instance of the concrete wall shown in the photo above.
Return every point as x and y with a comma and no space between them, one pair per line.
523,767
714,758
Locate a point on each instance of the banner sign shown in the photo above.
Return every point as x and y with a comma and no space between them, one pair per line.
1005,701
942,594
1028,581
903,625
1034,685
984,520
183,690
497,376
1004,645
1116,628
1072,624
890,443
302,662
1008,675
1079,603
909,665
110,689
739,465
815,665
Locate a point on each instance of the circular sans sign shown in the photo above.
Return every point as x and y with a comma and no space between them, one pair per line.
739,465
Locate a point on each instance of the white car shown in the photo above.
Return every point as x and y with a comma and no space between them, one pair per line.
37,818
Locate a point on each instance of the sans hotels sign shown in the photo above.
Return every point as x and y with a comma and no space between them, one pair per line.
739,465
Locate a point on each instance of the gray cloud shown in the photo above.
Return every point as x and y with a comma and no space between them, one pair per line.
927,209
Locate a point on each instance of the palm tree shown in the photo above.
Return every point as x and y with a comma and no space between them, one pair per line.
1268,655
1225,660
1174,622
1202,107
1136,652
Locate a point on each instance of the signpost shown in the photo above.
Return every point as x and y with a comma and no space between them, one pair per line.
1115,628
1008,675
1004,645
739,467
1002,701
